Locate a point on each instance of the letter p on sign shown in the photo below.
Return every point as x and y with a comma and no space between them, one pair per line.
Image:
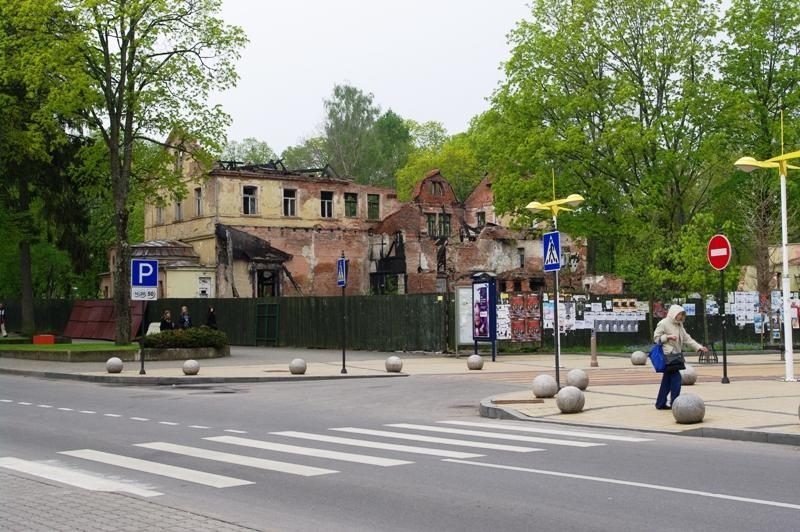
144,273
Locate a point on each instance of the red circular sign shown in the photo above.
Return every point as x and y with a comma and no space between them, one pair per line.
719,252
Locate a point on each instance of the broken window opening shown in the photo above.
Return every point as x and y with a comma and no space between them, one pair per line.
178,211
481,218
431,219
198,201
373,206
350,204
326,204
290,202
249,200
444,224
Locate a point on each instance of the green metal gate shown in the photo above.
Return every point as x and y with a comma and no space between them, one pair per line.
267,316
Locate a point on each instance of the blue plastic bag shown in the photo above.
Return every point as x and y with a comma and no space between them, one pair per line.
657,358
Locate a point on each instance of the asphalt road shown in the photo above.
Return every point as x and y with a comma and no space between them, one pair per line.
577,482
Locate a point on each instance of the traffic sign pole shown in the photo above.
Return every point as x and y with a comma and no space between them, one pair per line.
341,274
719,256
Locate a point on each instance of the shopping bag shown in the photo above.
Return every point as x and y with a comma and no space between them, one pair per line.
657,358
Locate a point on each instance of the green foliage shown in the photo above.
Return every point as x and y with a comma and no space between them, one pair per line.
456,160
194,337
349,116
248,151
427,135
306,155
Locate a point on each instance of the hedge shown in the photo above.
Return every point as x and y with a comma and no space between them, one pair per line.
194,337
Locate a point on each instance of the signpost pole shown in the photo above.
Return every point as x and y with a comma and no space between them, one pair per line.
556,330
342,281
725,379
141,343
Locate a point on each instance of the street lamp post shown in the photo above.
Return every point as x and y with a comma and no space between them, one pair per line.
748,164
556,206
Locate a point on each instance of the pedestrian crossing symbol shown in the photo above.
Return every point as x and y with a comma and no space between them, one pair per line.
552,251
341,272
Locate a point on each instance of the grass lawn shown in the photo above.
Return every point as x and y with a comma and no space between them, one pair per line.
69,347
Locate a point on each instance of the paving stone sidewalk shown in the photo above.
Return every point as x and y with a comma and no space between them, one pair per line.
35,506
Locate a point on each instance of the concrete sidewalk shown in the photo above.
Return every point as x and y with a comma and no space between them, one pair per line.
757,405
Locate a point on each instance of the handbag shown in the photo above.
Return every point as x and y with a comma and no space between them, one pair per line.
675,361
657,358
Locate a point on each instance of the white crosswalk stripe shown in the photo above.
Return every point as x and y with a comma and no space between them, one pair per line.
157,468
495,435
75,478
249,461
376,445
309,451
576,434
434,439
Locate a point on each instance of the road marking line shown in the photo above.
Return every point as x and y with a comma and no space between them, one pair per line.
24,403
170,423
249,461
88,412
235,431
66,409
112,415
156,468
593,435
139,419
630,483
377,445
309,451
44,406
6,401
73,478
494,435
198,427
434,439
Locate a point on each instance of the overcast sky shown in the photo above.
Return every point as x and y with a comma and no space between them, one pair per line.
426,60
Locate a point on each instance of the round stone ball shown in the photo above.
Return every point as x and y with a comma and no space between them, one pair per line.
394,364
544,386
475,362
688,408
191,367
639,358
570,400
578,378
297,366
114,365
688,375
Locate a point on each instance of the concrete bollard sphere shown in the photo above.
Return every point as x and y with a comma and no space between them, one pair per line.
297,366
191,367
578,378
544,386
475,362
688,408
639,358
688,375
114,365
570,400
394,364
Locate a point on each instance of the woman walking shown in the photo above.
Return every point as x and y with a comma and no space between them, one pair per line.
673,337
166,321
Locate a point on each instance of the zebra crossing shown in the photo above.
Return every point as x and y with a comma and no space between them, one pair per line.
453,440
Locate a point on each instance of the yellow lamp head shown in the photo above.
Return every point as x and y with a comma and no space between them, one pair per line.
748,164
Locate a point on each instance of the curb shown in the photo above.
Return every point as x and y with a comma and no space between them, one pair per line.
166,381
490,410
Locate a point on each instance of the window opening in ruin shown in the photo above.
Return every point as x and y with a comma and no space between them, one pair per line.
350,204
521,257
249,200
198,201
178,211
326,204
373,206
481,219
159,215
289,202
444,224
431,219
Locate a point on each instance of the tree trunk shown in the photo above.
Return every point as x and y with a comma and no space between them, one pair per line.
28,319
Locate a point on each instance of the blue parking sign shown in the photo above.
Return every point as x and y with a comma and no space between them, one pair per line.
144,280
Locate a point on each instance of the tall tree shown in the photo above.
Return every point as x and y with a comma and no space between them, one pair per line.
149,68
617,98
391,144
349,116
310,153
760,65
248,151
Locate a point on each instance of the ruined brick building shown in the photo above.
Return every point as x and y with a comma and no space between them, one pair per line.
262,230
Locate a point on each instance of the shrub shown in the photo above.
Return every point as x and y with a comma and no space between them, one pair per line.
194,337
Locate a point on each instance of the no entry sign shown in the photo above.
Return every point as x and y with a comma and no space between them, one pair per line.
719,252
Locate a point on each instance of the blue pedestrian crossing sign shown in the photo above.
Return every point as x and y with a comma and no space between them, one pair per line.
341,272
552,251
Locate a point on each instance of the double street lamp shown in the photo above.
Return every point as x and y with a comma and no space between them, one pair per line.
748,164
556,206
